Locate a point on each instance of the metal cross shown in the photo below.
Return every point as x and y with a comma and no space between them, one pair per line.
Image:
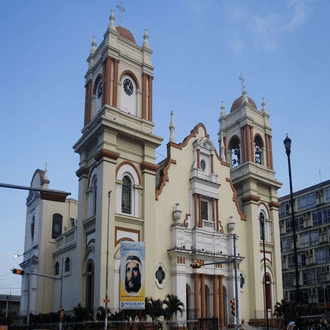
242,81
121,10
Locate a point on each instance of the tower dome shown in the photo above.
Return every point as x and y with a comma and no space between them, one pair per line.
237,103
125,33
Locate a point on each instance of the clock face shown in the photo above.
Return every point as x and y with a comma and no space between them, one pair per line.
99,90
128,87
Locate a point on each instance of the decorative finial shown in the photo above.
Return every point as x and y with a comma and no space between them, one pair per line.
45,176
121,10
244,94
172,128
146,41
223,112
263,106
112,25
242,81
93,45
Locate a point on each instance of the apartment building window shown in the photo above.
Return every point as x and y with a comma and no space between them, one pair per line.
284,209
306,202
317,218
321,216
327,194
288,225
286,244
310,238
299,223
308,277
322,255
288,280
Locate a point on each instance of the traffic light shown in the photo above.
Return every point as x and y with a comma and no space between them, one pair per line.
62,314
233,306
195,265
18,271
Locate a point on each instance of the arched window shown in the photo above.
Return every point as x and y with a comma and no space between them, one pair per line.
262,225
57,268
258,147
234,147
126,198
98,95
32,228
67,264
57,225
94,194
91,194
128,182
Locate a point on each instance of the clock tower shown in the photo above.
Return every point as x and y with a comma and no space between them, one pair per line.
117,154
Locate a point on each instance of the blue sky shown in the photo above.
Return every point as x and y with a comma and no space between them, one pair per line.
199,50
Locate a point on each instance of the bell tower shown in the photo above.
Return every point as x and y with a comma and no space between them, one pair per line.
245,142
117,154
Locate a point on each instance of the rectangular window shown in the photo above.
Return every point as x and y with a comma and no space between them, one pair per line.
308,277
314,237
317,218
327,194
306,202
286,244
284,209
321,255
204,208
301,259
288,280
288,225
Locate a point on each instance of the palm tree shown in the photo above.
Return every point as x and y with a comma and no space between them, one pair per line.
173,305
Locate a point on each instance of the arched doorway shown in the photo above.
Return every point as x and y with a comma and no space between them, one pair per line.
90,284
267,285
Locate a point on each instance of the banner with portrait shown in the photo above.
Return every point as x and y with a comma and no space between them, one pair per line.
132,275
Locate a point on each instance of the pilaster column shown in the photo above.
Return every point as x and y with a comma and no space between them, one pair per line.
195,210
248,140
144,95
107,87
87,101
243,144
222,309
213,214
215,297
198,158
251,145
267,150
115,83
212,163
203,296
150,98
270,152
200,210
217,213
104,84
196,293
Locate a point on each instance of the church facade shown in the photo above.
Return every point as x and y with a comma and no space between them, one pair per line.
193,206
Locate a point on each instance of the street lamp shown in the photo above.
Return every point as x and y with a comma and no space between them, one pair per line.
287,144
262,222
231,227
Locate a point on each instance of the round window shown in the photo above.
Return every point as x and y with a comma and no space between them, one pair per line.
203,165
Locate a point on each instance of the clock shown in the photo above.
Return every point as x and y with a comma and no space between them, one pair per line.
99,90
128,87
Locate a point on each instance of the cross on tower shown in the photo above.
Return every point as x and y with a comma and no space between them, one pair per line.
121,10
242,81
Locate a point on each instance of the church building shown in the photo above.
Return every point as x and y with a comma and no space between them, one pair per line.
200,204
